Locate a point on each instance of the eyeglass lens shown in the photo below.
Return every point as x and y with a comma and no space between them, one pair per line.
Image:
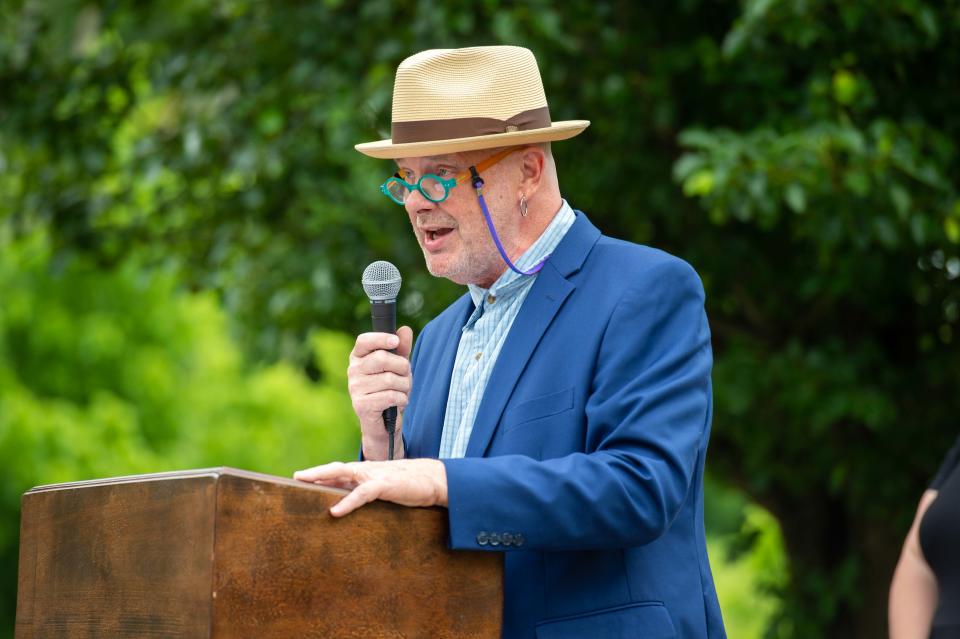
430,186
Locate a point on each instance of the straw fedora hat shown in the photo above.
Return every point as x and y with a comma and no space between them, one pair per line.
452,100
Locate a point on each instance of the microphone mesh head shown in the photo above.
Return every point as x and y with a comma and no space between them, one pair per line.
381,281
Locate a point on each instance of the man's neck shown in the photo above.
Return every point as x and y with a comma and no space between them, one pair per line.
531,238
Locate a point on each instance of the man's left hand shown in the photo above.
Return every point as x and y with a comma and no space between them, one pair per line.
408,482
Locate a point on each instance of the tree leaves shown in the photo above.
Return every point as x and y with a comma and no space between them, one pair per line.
801,154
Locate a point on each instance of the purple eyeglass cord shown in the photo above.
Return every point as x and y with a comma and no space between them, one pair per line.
478,185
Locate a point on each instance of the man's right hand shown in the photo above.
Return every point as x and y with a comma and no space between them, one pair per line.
378,379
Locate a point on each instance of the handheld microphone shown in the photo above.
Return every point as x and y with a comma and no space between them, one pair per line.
381,282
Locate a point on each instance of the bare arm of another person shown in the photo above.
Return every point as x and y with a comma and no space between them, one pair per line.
913,591
378,379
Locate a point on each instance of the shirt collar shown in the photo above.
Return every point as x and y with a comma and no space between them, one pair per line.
510,281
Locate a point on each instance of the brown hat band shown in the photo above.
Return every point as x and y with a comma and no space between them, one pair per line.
432,130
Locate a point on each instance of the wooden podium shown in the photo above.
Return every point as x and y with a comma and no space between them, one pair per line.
219,553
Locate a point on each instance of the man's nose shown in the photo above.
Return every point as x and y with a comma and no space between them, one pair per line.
417,203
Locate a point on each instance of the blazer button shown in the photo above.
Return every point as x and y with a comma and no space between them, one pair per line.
518,539
506,539
482,538
494,539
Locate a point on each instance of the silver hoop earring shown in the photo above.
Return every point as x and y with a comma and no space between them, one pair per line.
523,205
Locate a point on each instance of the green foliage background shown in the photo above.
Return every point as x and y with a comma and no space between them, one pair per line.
106,373
183,220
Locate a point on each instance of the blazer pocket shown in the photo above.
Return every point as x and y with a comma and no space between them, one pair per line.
644,620
537,408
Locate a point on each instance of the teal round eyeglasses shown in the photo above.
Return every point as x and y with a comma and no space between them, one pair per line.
433,187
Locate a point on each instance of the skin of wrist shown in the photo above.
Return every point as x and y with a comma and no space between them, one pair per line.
375,449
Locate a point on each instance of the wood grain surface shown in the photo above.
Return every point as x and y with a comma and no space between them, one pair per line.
221,553
118,560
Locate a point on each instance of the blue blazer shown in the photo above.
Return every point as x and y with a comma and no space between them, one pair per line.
585,464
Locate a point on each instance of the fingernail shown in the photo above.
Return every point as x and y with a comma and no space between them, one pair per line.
393,340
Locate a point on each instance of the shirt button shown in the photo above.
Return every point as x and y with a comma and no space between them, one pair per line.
491,299
494,539
483,539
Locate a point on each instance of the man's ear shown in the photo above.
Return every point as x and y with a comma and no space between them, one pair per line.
532,165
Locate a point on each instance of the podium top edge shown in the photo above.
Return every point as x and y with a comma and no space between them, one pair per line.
213,473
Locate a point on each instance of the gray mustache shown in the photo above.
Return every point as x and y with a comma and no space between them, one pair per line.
436,222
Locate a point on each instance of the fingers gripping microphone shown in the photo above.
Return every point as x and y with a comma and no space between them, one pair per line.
381,282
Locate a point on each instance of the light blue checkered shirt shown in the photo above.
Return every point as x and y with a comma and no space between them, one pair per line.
484,333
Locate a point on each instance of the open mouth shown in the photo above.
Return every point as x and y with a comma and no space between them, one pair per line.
435,233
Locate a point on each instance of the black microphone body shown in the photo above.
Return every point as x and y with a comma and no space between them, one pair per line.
383,314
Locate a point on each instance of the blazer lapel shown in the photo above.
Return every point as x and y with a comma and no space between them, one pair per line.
547,295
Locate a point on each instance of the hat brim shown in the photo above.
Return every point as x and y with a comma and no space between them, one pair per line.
387,150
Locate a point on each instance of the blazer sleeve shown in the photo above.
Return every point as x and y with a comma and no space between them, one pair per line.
646,417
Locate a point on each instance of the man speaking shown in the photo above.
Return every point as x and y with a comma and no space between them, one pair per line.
560,409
